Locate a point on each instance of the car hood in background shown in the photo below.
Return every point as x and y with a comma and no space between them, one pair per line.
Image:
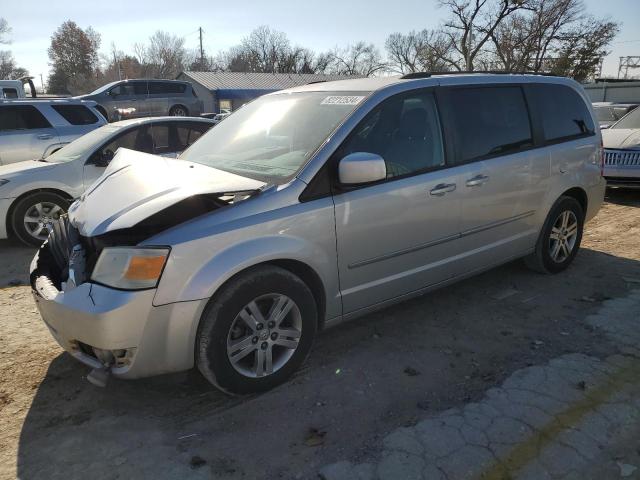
622,138
137,185
30,166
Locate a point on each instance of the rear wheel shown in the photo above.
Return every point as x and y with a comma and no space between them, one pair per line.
33,214
560,237
257,331
178,111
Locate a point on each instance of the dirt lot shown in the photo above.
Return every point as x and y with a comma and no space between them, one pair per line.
362,380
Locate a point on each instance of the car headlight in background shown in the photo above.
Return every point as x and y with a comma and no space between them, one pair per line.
130,268
3,181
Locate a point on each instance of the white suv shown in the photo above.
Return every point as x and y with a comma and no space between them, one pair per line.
34,129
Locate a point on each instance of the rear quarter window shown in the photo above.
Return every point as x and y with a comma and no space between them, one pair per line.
76,114
564,114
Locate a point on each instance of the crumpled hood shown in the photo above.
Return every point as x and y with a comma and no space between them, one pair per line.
137,185
627,138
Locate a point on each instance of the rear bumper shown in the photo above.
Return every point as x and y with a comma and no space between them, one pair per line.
595,198
98,325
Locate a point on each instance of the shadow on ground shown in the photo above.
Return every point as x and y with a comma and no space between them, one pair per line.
354,389
623,196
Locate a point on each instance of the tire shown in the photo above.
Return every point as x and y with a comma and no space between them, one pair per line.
52,205
179,111
549,255
235,369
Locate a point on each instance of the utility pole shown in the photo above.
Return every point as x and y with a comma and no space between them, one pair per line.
42,83
201,50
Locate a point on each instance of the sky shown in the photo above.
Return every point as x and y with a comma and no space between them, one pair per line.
313,24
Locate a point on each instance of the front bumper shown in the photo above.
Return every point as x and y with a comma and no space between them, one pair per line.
99,325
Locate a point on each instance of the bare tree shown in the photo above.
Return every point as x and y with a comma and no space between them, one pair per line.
5,30
422,51
471,25
358,59
554,35
164,57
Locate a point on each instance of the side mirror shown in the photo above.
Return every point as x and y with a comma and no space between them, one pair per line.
361,167
101,159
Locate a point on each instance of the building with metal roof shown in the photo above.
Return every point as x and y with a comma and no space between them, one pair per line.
230,90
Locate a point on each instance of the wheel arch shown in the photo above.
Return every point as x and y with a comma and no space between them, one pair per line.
16,200
578,194
305,272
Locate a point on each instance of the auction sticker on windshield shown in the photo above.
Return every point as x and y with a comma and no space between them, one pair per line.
342,100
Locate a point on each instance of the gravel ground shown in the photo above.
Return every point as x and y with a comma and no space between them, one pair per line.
363,380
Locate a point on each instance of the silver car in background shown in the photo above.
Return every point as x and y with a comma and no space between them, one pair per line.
145,98
35,193
622,152
311,206
33,129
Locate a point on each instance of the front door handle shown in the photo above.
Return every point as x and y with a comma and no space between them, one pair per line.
45,136
442,188
477,180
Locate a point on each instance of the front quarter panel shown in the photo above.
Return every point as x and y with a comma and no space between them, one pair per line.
207,252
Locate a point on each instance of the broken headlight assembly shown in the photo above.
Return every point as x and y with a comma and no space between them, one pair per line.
130,268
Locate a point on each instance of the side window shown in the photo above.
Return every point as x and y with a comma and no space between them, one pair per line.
122,89
21,117
10,93
136,139
405,131
76,114
563,111
140,88
187,134
157,88
161,138
488,121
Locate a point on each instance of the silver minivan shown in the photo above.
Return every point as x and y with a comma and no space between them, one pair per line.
311,206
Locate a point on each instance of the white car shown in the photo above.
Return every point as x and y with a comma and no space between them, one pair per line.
34,193
622,152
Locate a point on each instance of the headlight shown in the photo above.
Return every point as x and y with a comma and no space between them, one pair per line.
130,268
3,181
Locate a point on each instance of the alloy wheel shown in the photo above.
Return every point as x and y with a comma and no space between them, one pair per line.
39,217
264,335
563,236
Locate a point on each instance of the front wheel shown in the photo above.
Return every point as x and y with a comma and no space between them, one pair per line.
257,331
560,238
32,216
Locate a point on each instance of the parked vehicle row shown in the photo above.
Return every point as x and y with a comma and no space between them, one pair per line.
234,256
34,128
145,98
35,193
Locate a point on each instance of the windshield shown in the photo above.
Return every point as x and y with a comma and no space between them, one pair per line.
85,144
604,114
103,88
273,137
630,120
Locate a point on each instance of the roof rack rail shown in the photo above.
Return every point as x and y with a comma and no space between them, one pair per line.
415,75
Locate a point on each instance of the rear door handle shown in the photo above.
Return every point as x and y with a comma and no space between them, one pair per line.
442,188
45,136
477,180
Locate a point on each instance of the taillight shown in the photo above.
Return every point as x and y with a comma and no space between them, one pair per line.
601,158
